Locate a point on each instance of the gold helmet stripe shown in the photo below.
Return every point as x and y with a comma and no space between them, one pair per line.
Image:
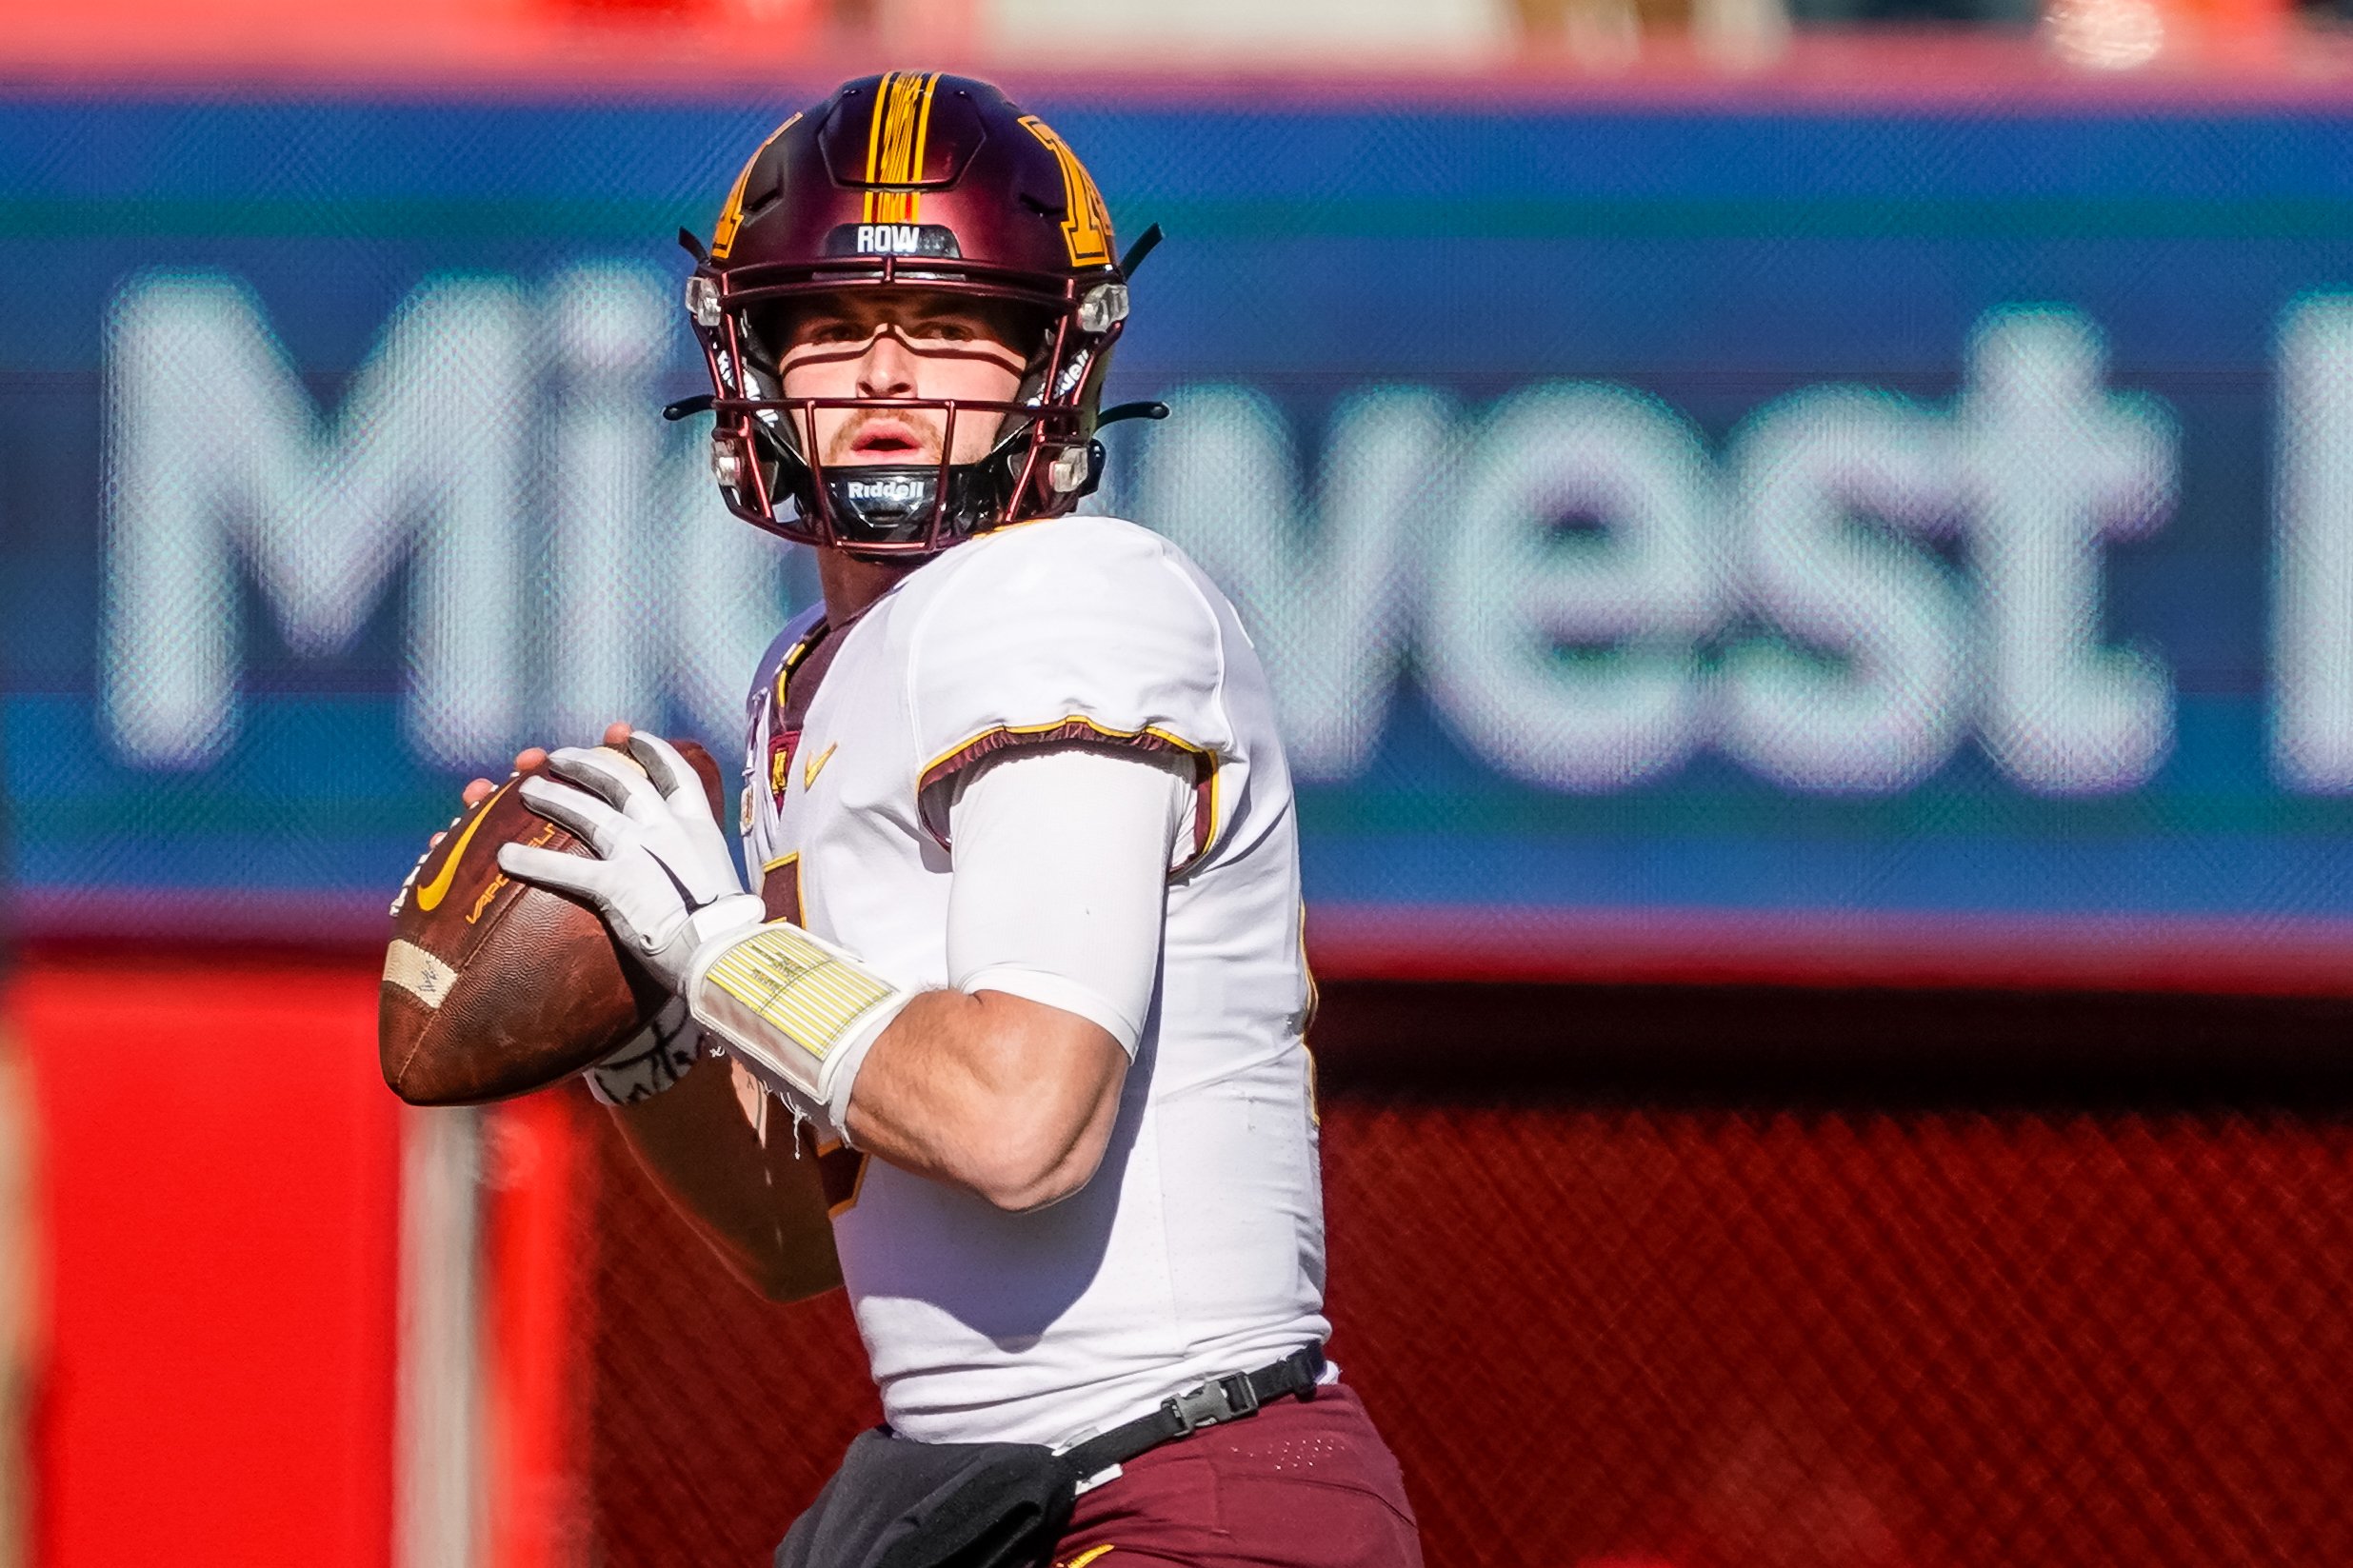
922,136
894,145
875,116
732,215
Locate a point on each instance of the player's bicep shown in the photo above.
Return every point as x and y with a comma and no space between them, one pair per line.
1059,879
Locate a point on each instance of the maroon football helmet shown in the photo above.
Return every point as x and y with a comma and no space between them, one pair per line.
912,179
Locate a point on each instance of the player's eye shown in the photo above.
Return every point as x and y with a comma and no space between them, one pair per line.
945,330
831,331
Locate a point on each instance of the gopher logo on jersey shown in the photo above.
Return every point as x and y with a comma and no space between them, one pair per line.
781,744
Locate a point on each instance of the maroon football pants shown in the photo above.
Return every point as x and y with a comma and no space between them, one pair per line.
1301,1484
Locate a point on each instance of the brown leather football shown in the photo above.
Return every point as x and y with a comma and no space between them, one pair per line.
493,986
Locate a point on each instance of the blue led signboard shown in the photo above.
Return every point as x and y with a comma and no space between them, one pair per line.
1858,544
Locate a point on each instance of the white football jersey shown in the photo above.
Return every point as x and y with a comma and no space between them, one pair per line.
1198,1247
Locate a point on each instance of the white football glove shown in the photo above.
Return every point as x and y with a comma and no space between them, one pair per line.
664,879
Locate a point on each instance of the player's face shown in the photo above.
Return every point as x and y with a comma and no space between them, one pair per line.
903,343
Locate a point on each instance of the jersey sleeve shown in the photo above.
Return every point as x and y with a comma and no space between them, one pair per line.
1077,929
1081,631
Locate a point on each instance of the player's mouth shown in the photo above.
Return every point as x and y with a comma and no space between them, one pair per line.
887,440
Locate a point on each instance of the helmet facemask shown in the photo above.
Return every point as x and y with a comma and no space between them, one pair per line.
1041,456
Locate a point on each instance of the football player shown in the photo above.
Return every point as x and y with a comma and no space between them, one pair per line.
1020,967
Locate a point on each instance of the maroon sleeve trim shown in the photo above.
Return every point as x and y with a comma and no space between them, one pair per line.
1076,728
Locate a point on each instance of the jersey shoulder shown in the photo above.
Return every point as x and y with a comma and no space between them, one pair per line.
1078,628
1066,565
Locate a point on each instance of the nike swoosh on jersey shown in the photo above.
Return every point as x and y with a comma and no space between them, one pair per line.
430,895
816,764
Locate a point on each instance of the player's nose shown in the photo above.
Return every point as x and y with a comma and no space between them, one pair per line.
887,368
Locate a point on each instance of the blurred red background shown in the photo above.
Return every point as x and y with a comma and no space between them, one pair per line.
1705,1277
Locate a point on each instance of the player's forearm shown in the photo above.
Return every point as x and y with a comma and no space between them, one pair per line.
1003,1097
760,1208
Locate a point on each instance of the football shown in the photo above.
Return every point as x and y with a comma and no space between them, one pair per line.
493,986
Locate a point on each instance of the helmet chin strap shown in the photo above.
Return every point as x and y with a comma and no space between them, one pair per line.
894,504
897,503
882,504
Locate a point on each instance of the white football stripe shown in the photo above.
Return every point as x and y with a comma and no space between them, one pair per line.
418,972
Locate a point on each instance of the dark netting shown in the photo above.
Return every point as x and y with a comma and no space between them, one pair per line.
1721,1337
1618,1328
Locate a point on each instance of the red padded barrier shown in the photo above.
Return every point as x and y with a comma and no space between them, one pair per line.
538,1197
219,1175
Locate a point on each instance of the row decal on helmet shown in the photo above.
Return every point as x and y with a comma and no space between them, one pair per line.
895,138
732,215
1086,224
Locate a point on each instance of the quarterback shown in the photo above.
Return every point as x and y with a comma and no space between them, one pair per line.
1005,1033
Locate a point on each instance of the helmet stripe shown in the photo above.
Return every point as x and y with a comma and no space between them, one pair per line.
732,215
897,132
896,141
874,136
915,159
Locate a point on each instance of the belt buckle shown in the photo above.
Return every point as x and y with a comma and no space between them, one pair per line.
1213,1403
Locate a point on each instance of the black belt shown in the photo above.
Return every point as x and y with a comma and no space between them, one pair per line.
1214,1403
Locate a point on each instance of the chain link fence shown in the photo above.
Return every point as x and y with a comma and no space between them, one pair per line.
1621,1324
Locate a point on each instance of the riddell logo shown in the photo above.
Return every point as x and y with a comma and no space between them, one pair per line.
902,491
890,239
